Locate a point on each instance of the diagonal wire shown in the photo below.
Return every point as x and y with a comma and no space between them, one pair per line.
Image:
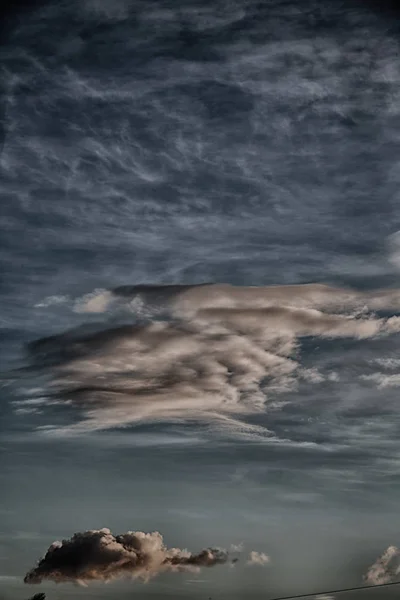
340,591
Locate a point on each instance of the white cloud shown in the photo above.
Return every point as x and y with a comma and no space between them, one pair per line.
258,558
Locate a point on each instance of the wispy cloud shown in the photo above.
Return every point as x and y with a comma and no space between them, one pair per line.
258,558
221,353
386,567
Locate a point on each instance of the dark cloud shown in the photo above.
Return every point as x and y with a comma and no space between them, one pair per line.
98,555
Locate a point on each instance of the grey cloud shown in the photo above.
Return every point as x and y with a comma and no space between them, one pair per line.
98,555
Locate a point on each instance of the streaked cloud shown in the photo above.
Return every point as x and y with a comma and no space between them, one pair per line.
215,353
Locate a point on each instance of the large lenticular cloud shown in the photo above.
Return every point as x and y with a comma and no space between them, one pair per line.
100,556
213,353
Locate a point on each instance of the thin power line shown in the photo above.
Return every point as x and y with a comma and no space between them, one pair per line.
325,593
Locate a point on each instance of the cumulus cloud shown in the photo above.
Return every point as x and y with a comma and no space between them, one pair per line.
218,353
386,567
258,558
98,555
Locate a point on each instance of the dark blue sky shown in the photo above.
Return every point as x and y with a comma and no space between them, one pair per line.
249,143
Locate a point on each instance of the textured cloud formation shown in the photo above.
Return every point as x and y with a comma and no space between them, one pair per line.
100,556
386,568
214,353
191,298
258,558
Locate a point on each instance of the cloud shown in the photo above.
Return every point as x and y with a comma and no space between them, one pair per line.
236,547
383,380
258,558
189,298
98,555
386,567
113,11
219,354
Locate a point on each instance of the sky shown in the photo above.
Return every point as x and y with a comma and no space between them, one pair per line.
199,305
